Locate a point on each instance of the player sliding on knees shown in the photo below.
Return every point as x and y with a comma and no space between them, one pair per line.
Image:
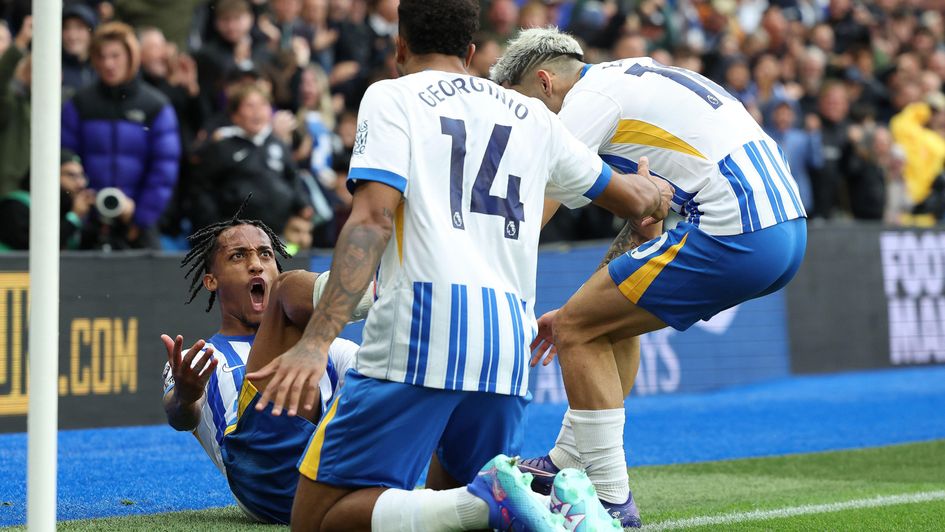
449,178
743,236
236,262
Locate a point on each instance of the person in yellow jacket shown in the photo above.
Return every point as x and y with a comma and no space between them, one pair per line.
917,128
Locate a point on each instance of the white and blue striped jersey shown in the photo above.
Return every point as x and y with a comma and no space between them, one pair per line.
730,176
219,407
456,284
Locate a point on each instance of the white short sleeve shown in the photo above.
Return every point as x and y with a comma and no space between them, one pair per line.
578,175
590,116
343,355
382,145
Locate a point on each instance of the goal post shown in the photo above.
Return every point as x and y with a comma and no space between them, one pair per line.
42,420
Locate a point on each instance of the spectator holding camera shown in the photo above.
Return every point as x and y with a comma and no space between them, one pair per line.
248,158
75,203
126,133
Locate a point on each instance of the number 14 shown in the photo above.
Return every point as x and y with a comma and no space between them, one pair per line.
510,207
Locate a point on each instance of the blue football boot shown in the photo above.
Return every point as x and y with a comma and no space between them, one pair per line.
573,497
512,505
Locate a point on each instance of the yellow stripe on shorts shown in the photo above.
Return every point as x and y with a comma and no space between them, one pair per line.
635,286
247,392
313,453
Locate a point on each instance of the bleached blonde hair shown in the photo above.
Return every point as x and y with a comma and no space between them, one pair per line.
534,48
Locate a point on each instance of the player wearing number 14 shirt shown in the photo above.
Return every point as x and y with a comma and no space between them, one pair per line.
456,283
743,233
449,174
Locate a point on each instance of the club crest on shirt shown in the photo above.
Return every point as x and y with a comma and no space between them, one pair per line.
360,140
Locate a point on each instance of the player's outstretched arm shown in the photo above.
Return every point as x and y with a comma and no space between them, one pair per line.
295,374
637,196
189,377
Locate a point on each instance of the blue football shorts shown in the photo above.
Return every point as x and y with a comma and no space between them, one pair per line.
260,456
383,433
686,275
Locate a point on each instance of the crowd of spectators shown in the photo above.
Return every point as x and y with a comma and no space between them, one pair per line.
187,107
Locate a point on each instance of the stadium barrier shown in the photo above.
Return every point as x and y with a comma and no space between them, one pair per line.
868,297
864,298
113,310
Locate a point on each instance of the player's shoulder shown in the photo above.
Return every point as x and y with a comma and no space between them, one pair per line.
386,89
600,77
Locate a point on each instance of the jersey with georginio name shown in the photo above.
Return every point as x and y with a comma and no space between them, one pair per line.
219,408
730,176
456,284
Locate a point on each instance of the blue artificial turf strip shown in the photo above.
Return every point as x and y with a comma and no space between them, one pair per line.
108,472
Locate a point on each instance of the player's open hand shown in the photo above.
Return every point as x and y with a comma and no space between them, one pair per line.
294,378
665,190
543,344
191,371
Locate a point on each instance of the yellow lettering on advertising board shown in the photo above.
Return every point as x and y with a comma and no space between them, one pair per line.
102,351
126,356
14,288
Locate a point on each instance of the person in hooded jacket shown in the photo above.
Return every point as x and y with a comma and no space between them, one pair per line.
126,133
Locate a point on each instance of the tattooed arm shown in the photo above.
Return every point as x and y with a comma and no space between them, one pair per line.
622,244
358,252
638,231
296,373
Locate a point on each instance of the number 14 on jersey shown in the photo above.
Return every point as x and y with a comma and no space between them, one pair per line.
510,208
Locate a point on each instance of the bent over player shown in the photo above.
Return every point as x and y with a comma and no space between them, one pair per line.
449,174
743,237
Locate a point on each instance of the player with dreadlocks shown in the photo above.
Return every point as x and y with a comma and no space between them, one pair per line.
236,262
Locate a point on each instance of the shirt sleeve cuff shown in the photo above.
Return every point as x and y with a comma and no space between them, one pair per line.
600,184
391,179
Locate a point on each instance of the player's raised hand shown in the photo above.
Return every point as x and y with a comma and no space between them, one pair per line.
543,344
294,380
190,376
665,190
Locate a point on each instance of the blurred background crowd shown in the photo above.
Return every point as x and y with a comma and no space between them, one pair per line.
175,110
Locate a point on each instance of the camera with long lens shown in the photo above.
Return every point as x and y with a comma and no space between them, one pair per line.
110,203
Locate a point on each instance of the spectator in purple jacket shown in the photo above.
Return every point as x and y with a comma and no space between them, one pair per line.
126,133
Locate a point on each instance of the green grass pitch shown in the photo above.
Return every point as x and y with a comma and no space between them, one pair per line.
899,487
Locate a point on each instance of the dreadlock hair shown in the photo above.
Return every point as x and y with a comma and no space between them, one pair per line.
204,247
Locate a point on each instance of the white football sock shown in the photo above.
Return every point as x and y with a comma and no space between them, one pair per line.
565,452
599,436
421,510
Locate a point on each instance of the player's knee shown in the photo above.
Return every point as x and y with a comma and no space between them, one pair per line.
288,278
289,281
